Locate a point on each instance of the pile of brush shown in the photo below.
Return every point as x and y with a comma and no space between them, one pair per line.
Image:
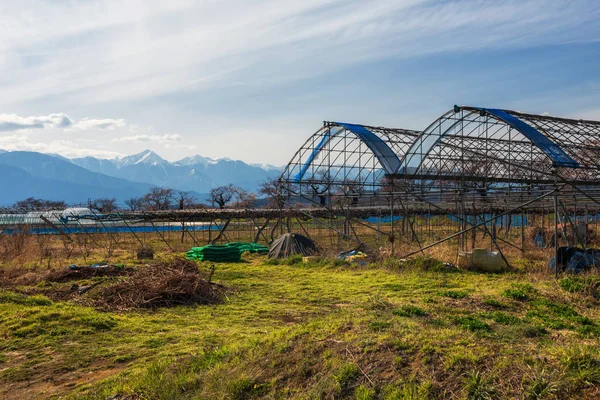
162,284
87,272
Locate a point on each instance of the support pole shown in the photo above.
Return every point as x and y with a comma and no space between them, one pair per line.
522,231
555,235
392,238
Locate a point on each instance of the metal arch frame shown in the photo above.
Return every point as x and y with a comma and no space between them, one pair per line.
553,151
418,143
376,151
387,158
536,158
481,161
384,154
558,156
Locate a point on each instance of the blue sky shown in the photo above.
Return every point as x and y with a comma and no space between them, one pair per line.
252,80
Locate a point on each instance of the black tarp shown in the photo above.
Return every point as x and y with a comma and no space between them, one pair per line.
290,244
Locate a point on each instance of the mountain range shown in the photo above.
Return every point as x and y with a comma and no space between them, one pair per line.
54,177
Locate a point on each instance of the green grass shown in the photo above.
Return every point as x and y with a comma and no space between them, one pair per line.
472,324
409,311
18,298
502,318
519,292
292,329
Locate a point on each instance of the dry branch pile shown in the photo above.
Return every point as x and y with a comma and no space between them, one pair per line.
65,275
162,284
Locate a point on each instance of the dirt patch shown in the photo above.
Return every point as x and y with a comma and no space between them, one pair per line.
46,383
10,277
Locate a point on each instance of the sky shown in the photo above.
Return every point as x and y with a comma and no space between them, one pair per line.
253,79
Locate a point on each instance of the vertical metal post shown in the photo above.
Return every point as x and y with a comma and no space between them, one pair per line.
392,216
587,222
555,234
522,231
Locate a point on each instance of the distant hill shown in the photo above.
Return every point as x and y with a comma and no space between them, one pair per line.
29,174
54,177
21,185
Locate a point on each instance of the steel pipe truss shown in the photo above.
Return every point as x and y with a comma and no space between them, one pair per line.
471,164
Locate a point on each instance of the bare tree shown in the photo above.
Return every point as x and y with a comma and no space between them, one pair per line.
221,195
185,200
159,198
319,185
135,203
273,189
104,205
244,198
33,204
350,192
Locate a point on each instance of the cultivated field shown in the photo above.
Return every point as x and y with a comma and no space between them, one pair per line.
324,329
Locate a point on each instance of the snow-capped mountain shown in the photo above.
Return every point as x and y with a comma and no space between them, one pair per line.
196,173
268,167
54,177
197,159
31,174
147,157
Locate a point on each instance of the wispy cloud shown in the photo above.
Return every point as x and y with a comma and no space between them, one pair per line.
104,124
168,138
13,122
101,51
67,148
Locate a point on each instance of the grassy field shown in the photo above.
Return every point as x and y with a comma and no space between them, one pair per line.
315,330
